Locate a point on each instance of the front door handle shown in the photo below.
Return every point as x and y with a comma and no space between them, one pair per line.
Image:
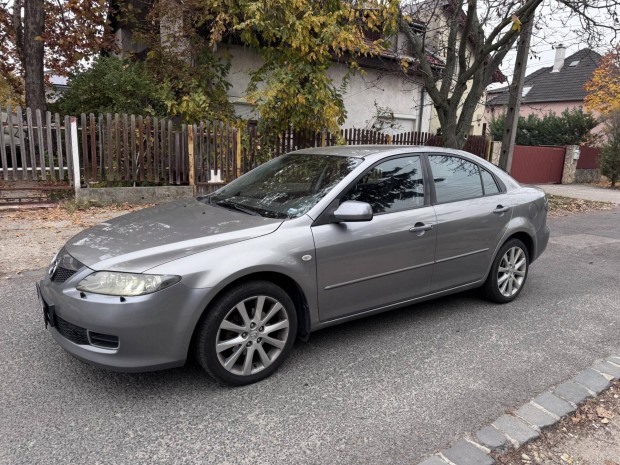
421,228
501,209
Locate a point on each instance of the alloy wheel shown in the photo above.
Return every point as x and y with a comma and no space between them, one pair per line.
252,335
511,271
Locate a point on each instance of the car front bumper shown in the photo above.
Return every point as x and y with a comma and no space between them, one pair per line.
152,331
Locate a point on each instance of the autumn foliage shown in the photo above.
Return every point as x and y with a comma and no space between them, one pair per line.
298,41
604,87
74,31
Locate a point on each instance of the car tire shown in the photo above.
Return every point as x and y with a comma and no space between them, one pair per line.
238,349
508,272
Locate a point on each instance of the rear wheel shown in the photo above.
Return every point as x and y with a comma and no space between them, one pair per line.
247,333
508,272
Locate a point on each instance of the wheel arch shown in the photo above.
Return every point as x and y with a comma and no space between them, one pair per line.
524,236
527,240
288,284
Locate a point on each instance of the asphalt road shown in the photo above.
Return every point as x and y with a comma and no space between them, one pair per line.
389,389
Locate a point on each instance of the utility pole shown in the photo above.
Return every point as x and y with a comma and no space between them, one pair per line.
514,102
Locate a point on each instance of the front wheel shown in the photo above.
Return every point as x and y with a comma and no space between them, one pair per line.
508,272
247,333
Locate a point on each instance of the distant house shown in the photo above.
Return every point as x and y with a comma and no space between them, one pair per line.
552,89
55,87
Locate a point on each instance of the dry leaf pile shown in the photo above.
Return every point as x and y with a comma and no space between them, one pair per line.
589,435
562,206
31,236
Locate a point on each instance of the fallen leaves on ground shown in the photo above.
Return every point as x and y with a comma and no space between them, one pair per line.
49,217
606,184
596,421
42,231
562,206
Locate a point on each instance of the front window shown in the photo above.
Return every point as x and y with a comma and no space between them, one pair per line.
391,186
285,187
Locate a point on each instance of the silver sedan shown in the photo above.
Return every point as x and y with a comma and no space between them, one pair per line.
311,239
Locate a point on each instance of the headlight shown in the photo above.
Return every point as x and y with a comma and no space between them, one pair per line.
125,284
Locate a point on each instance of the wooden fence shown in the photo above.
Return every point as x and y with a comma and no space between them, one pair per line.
114,148
295,140
34,145
136,149
128,149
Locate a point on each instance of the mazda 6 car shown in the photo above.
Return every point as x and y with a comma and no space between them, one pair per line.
311,239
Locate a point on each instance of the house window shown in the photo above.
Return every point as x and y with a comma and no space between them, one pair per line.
396,124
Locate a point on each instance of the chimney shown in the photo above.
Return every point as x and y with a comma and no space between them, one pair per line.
560,52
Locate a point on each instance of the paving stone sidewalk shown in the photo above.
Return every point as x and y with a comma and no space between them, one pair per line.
583,191
525,423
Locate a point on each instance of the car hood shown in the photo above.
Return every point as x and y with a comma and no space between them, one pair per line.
141,240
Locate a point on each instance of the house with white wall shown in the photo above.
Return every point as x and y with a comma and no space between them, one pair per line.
378,96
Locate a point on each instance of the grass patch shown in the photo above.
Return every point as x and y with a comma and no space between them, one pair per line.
74,205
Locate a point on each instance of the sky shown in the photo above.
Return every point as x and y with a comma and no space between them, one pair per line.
557,30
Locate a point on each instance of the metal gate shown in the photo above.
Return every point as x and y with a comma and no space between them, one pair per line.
538,165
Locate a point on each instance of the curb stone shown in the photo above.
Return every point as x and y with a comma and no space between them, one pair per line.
553,404
592,380
607,368
492,439
525,423
465,453
434,460
516,430
536,416
572,392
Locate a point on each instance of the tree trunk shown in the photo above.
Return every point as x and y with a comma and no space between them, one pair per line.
447,121
32,53
450,138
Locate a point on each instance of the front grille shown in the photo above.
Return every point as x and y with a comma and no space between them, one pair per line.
72,332
62,274
105,341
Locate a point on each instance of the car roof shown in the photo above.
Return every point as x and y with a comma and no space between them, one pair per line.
363,151
373,153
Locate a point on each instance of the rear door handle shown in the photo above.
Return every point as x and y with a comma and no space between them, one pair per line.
421,228
501,209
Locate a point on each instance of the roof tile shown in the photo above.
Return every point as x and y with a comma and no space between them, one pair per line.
563,86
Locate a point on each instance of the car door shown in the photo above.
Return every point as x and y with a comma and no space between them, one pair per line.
472,214
365,265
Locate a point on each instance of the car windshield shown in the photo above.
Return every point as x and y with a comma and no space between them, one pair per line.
285,187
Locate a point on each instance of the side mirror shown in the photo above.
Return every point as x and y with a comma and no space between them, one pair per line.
352,210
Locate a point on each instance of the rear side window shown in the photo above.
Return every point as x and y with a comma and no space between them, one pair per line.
455,178
488,182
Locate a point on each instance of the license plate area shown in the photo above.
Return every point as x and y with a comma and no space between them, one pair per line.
48,310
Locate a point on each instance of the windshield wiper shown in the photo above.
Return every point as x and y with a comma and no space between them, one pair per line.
236,206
